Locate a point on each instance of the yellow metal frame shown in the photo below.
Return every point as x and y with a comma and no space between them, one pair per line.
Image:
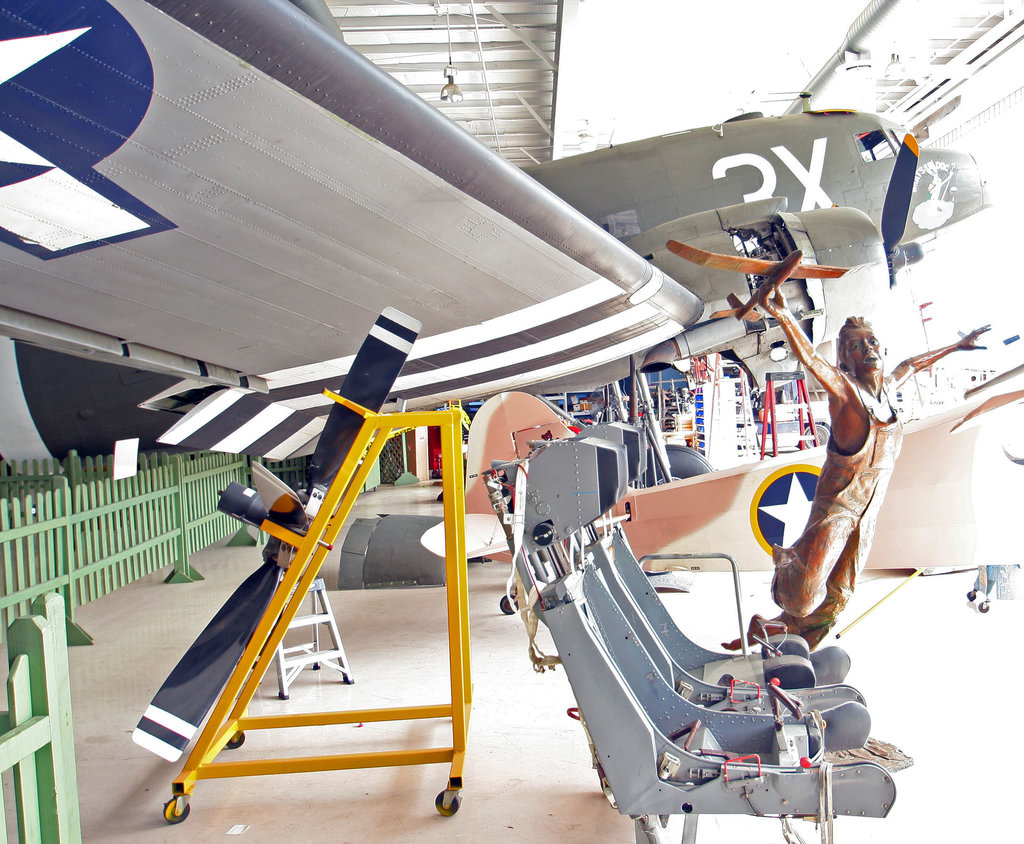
229,719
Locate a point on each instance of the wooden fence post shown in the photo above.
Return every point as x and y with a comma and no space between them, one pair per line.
21,717
183,571
73,477
73,468
41,638
67,557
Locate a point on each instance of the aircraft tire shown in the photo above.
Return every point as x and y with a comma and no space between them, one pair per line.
822,430
686,462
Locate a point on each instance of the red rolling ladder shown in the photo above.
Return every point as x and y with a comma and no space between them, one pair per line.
806,436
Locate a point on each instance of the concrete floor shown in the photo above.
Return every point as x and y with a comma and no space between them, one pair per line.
943,683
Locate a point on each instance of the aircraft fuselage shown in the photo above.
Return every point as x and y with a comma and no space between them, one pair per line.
815,160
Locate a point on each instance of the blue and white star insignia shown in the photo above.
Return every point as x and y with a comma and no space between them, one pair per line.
781,505
69,99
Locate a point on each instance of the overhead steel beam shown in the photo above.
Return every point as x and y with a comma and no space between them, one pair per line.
535,86
411,23
432,3
543,123
541,54
463,66
401,49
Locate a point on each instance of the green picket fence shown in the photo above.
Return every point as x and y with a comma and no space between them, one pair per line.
71,528
36,740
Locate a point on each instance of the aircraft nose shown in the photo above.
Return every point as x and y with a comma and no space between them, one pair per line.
949,188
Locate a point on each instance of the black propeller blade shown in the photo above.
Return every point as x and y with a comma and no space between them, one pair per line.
380,359
193,686
896,207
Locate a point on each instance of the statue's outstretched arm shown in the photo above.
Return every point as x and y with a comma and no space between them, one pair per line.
916,363
828,376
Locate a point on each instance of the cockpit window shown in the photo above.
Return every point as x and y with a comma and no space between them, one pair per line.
875,145
622,224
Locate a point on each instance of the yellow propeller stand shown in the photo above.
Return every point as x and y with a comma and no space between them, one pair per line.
228,722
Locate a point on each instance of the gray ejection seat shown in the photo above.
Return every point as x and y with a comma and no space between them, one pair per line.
659,752
784,657
687,665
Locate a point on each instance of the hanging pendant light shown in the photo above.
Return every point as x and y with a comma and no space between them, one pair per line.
450,93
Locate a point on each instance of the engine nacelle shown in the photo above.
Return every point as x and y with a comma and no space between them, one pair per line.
842,237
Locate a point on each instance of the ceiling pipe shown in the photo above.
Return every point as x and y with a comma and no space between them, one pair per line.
855,42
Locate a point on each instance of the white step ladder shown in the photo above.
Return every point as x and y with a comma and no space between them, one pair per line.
724,422
291,660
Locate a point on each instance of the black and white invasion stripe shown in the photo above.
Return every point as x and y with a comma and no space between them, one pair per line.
242,422
587,328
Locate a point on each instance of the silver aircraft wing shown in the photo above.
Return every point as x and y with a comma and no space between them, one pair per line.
224,191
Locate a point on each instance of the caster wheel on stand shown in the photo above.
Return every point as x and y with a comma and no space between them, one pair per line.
177,809
447,803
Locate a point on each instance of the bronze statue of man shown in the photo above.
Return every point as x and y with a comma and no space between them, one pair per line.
815,577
